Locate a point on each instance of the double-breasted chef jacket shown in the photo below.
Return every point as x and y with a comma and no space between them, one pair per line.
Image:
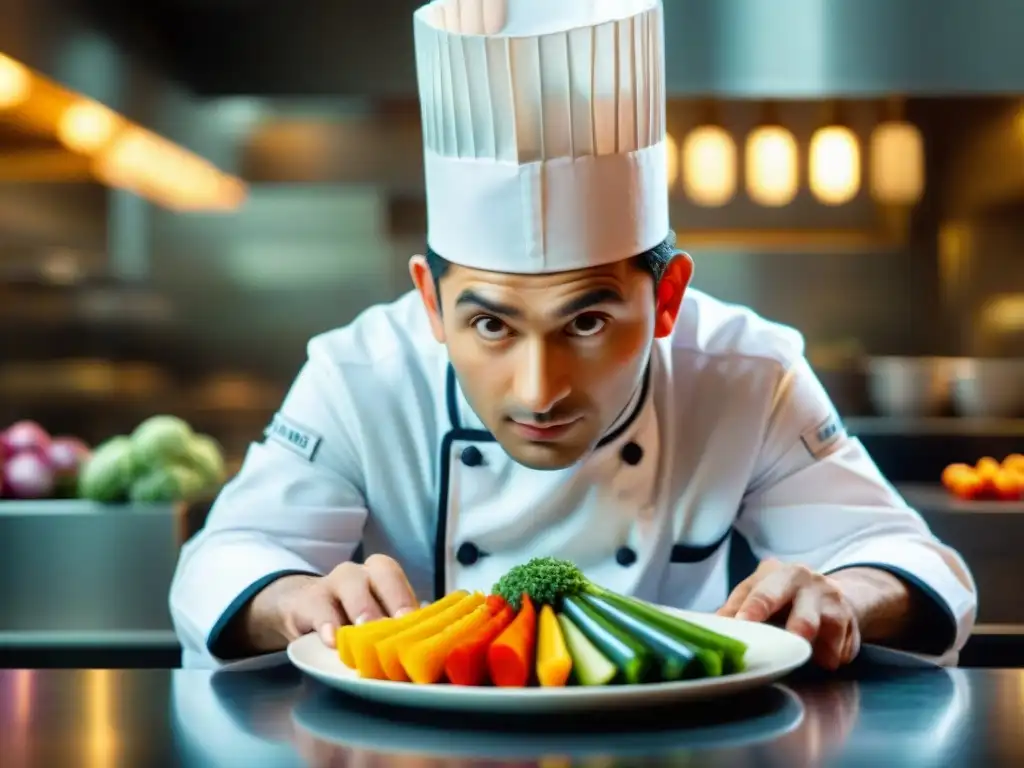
375,448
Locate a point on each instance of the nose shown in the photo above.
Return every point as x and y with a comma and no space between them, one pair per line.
542,379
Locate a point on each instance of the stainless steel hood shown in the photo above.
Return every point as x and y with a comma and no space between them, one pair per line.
730,48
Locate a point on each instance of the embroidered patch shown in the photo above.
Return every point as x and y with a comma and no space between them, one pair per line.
295,438
822,437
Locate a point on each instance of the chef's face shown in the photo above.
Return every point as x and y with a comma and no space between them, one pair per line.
548,362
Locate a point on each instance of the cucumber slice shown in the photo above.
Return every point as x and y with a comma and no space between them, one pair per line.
730,650
678,658
589,665
632,657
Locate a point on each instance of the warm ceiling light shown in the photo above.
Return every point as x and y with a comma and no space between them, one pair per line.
15,83
86,126
834,165
897,163
771,163
709,166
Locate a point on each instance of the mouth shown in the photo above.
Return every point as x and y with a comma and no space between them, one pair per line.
544,432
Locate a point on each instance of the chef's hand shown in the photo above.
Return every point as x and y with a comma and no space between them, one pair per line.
296,605
816,606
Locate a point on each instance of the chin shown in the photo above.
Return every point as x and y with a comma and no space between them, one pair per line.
543,456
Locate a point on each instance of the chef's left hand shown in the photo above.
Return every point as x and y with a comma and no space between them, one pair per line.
816,606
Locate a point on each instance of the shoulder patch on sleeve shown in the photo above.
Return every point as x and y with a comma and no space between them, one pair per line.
819,439
293,436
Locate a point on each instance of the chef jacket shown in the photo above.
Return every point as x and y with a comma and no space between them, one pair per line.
375,448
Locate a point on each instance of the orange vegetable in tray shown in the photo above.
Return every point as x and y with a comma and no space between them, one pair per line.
987,479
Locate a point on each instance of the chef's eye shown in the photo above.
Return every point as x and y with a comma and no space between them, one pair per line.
587,325
490,328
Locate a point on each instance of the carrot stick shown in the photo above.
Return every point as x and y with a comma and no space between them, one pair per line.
423,661
553,661
466,663
510,657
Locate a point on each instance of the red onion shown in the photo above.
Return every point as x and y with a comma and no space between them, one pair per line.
66,455
23,436
27,476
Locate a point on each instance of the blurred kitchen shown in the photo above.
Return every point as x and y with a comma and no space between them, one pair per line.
190,189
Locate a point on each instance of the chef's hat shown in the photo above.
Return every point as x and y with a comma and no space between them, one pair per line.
543,131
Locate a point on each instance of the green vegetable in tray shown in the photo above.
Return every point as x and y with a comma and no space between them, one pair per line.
171,483
678,659
162,440
589,665
162,461
109,472
206,458
632,658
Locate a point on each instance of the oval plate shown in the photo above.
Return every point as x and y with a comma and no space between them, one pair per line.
772,653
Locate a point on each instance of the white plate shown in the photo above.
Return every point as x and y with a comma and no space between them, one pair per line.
772,653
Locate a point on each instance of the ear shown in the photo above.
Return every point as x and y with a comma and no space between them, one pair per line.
424,282
671,287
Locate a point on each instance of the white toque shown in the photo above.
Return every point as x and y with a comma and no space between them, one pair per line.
543,131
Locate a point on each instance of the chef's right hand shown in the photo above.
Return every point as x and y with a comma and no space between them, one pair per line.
350,594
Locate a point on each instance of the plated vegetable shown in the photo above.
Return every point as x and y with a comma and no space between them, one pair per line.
544,624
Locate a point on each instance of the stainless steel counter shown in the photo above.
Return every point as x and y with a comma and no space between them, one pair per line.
875,716
76,574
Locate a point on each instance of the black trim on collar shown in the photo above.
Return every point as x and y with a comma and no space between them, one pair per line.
618,431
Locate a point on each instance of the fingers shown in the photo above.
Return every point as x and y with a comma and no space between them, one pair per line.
317,612
743,589
372,591
805,616
390,585
349,583
739,594
773,593
834,636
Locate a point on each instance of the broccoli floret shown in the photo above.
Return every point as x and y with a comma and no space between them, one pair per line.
545,579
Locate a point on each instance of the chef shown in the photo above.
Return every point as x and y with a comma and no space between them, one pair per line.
554,387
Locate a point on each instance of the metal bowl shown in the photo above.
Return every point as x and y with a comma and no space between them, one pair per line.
909,387
989,388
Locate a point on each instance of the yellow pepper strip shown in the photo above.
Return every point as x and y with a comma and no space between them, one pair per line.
554,664
388,648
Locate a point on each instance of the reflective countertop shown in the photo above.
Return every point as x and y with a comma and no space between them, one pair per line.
874,717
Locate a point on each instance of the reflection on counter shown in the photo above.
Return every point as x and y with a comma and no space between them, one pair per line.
879,716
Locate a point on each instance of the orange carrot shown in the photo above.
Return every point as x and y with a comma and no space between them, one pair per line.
510,657
423,661
466,664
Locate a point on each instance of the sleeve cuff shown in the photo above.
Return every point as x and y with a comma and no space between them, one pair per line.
947,606
216,636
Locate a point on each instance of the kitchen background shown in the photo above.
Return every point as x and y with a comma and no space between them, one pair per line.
190,189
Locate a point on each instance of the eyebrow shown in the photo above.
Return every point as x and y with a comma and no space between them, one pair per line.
473,298
590,299
580,303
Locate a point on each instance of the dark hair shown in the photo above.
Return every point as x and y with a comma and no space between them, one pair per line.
653,261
